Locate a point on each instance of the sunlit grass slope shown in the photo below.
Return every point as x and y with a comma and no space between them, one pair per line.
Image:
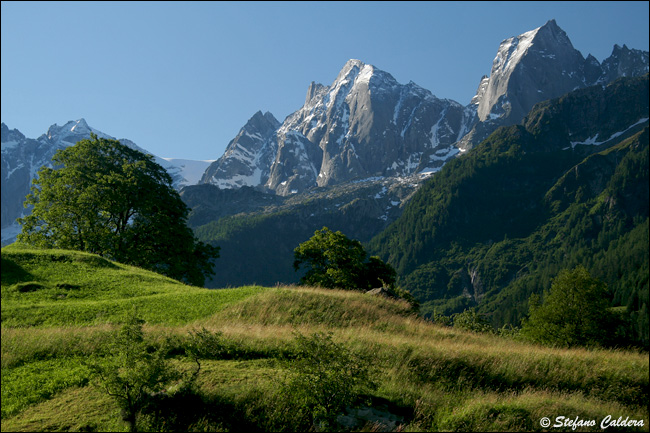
58,287
59,307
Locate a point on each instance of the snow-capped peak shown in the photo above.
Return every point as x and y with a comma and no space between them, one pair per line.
80,126
511,51
545,56
71,132
349,65
365,73
354,71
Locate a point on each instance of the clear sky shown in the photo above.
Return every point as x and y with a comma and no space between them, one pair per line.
181,78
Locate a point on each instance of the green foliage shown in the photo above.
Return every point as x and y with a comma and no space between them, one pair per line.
574,312
470,320
401,293
335,261
499,222
432,378
108,199
203,344
326,377
40,380
134,372
258,232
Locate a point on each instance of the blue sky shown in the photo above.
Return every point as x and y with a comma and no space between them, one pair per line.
181,78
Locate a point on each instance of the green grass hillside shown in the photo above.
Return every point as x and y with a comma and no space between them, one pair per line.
61,308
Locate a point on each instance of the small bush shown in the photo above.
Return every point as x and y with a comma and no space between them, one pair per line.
470,320
325,378
135,373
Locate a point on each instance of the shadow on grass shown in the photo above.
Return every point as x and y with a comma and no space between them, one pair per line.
190,410
13,273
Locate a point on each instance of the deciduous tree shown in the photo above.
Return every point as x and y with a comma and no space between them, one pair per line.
111,200
573,313
335,261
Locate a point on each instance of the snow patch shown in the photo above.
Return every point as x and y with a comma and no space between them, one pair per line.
365,74
593,141
191,170
381,193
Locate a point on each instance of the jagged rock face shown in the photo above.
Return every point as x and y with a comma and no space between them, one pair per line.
364,125
592,70
18,154
624,62
247,158
536,66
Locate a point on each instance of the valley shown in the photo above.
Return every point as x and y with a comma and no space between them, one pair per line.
509,232
470,203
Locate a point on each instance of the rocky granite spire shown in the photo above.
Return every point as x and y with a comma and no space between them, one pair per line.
532,67
365,124
248,156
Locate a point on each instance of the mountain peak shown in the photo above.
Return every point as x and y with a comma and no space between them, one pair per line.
313,90
80,126
271,118
350,70
542,55
551,23
72,126
71,132
10,136
261,122
547,37
354,62
624,62
552,30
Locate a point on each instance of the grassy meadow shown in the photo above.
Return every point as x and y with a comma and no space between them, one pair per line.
61,308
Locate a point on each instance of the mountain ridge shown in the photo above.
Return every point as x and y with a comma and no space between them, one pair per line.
495,225
367,124
22,157
547,66
334,136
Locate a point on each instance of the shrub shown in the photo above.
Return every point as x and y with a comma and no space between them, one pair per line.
326,377
470,320
135,373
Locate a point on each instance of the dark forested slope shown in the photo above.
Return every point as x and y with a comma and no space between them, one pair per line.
567,186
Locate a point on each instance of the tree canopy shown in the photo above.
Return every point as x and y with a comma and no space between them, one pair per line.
574,312
335,261
108,199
